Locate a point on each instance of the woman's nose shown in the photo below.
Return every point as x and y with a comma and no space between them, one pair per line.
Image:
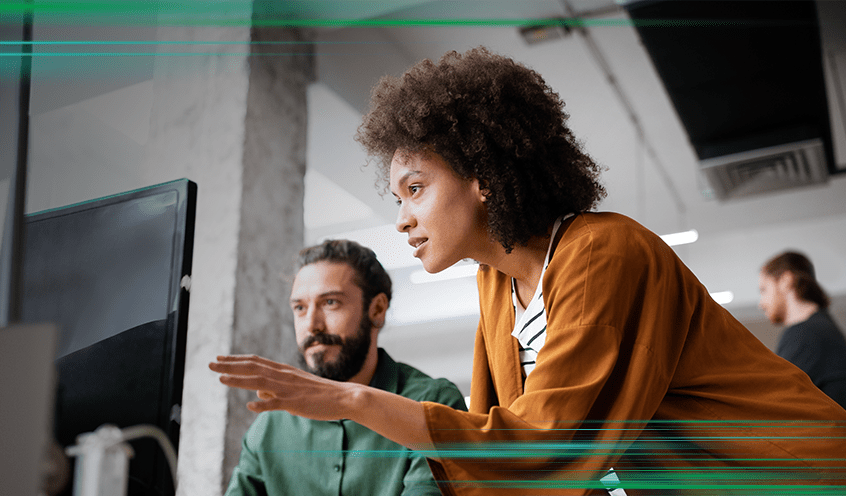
404,219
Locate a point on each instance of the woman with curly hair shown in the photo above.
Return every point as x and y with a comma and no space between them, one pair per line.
601,363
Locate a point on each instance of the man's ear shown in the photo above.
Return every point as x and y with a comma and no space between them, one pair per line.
786,282
378,309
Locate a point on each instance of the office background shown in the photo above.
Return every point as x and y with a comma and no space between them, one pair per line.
266,130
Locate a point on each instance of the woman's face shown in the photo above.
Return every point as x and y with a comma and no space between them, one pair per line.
443,214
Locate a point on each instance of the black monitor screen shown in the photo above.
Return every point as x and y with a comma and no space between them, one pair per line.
113,273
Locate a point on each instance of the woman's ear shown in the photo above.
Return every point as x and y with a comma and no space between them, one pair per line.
482,189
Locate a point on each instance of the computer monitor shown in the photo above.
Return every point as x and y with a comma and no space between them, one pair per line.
114,275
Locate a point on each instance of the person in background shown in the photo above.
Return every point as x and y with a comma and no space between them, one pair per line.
339,298
791,296
601,364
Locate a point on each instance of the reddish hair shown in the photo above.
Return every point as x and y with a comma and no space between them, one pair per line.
805,281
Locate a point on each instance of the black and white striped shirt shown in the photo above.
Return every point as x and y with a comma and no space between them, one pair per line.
530,322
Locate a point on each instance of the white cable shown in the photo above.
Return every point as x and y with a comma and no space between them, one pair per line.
146,430
103,464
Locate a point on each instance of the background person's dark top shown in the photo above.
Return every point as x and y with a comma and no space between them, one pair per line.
818,348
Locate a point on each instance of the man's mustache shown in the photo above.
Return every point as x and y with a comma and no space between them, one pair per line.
322,338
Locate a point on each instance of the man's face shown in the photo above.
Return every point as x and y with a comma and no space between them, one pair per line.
773,298
334,334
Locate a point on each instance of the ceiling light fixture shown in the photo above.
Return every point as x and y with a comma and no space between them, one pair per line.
680,238
546,30
723,297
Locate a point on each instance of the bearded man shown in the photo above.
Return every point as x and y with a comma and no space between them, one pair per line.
791,296
339,298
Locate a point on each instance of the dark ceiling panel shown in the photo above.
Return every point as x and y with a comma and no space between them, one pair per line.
742,75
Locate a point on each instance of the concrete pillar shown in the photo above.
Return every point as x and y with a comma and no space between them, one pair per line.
271,225
234,123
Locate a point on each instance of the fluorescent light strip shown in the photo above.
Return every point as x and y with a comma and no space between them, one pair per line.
681,238
723,297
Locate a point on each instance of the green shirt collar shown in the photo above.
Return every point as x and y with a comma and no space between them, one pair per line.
386,374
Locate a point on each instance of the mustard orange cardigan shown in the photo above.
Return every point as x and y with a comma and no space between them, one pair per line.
641,371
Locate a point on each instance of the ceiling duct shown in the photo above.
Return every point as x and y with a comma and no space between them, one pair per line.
747,81
766,169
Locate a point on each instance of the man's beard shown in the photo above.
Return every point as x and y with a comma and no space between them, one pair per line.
777,311
350,359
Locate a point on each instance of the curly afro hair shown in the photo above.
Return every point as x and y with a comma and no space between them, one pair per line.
494,120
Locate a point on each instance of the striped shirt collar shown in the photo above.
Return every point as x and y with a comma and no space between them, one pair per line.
530,323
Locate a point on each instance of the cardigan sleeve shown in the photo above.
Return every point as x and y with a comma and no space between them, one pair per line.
482,391
610,349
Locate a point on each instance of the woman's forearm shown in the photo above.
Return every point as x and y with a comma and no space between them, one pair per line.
395,417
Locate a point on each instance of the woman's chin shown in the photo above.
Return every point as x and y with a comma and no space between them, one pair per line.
431,267
435,266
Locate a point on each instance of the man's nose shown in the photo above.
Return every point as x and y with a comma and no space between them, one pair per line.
314,321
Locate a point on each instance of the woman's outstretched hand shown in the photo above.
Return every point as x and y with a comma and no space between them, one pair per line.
283,387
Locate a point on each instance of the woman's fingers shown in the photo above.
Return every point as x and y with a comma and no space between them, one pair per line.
280,387
265,406
265,395
255,359
250,382
237,358
236,368
246,365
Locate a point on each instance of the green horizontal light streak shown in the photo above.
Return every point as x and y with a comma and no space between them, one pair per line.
144,54
670,423
385,23
301,14
180,42
478,22
163,43
589,451
748,489
748,481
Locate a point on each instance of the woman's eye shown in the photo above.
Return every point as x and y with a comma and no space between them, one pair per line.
414,188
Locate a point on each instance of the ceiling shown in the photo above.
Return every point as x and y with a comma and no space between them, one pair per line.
756,72
626,118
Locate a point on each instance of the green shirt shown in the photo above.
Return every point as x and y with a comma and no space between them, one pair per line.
283,454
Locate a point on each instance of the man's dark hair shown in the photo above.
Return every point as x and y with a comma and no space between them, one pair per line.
370,276
494,120
806,285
